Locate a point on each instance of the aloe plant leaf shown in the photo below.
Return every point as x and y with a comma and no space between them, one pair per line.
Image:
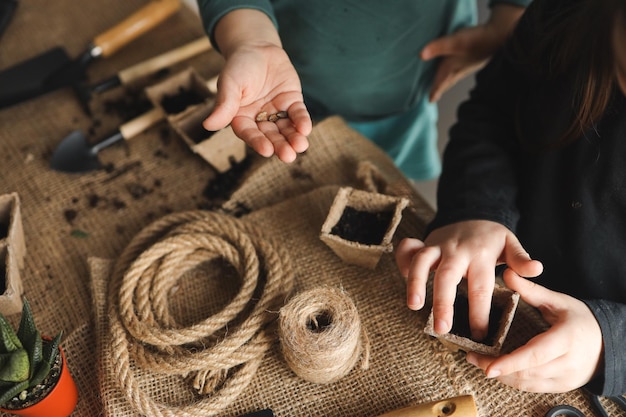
6,395
40,375
30,337
50,352
51,349
17,367
27,327
9,341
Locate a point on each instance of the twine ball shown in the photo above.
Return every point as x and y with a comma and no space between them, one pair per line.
321,335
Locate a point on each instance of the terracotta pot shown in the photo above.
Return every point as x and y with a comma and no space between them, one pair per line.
60,402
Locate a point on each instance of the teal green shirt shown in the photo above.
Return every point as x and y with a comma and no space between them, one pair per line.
360,59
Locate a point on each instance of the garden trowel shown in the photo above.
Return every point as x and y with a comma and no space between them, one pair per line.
54,69
75,154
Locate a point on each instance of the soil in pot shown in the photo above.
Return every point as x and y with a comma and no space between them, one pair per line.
3,278
4,230
364,227
461,327
176,103
197,133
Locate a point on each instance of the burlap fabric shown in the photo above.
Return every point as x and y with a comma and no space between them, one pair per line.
76,226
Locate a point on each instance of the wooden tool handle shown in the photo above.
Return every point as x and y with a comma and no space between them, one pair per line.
463,406
164,60
140,22
139,124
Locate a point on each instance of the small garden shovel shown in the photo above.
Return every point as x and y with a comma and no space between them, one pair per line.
75,154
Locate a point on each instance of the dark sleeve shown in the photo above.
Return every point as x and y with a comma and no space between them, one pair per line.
211,11
478,180
612,319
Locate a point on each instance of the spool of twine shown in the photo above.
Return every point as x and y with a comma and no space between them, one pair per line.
321,335
219,354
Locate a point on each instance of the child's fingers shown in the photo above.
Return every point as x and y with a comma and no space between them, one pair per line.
446,45
519,260
227,105
480,284
405,251
422,263
248,130
447,277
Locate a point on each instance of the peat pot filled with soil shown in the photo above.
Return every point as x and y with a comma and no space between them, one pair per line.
35,380
360,225
503,306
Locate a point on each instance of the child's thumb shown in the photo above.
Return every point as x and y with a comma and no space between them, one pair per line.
531,292
226,108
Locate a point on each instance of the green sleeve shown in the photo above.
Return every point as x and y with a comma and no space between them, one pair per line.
211,11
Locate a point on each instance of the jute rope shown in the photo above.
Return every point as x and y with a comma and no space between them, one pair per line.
321,335
220,353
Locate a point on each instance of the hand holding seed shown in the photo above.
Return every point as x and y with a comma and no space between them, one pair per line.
256,80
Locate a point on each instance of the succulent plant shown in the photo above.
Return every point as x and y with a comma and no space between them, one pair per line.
25,358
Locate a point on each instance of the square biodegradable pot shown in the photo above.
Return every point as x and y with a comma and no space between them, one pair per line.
12,253
187,100
360,225
503,305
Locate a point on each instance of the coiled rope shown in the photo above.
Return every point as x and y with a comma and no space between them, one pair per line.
221,356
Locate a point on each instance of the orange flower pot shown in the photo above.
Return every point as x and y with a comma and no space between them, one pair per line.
60,402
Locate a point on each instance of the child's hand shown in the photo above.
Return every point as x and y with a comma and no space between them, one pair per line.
469,249
468,49
256,79
563,358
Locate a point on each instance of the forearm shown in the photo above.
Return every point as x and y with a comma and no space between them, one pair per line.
245,27
213,12
612,319
478,181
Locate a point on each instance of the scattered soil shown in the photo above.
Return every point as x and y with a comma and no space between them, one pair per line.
461,327
219,189
240,210
364,227
70,215
94,199
118,172
137,191
174,104
300,174
165,135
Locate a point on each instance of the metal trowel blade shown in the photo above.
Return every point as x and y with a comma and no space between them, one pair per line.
75,155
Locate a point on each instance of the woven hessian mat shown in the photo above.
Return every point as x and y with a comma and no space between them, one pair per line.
76,227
